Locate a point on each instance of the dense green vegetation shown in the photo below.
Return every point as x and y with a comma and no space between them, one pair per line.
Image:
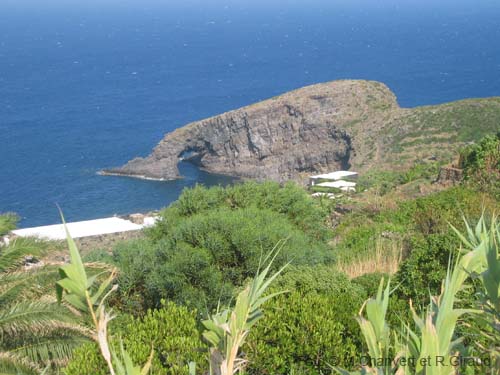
172,330
481,164
410,220
211,241
310,326
193,289
441,128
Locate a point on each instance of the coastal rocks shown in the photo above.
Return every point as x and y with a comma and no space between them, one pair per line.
310,130
318,129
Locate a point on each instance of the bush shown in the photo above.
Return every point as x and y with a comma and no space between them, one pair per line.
289,200
370,282
481,164
307,331
319,279
424,269
171,330
309,326
204,256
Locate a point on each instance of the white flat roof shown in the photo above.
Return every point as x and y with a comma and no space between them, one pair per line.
335,175
337,184
80,229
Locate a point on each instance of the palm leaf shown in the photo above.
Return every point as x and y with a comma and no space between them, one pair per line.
13,255
32,317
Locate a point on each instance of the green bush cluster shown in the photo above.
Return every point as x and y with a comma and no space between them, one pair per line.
171,331
307,331
205,256
290,200
212,240
309,326
481,164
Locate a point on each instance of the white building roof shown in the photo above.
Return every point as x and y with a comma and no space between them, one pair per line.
338,184
338,175
80,229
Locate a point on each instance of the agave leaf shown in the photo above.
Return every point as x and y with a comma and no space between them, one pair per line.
370,337
147,366
119,366
212,338
102,288
462,237
76,302
76,260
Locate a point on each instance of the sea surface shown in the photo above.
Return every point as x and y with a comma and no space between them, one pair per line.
86,85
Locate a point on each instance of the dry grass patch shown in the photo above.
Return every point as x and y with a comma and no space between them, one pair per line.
385,258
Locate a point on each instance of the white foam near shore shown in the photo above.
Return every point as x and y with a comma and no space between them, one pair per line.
86,228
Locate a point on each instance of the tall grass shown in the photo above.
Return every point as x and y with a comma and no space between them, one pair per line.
385,258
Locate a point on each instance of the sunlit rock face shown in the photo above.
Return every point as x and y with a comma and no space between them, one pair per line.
314,129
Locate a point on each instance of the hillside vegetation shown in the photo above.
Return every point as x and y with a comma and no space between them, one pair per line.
260,278
438,131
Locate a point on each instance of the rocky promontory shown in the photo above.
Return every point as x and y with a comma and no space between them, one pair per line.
319,128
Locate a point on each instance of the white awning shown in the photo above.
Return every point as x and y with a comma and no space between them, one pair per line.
338,175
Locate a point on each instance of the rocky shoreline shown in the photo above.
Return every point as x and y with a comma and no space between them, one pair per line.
118,173
316,129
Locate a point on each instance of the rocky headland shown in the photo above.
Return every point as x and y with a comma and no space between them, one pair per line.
319,128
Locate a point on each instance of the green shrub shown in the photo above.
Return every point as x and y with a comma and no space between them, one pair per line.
309,326
424,269
481,164
87,360
370,282
137,261
289,200
318,279
171,330
204,256
307,331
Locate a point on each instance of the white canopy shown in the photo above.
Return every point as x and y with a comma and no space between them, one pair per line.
338,175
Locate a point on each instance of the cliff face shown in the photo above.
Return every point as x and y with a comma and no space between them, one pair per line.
315,129
302,132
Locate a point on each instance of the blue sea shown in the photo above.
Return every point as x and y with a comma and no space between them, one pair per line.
86,85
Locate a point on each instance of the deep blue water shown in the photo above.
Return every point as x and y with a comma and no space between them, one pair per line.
86,85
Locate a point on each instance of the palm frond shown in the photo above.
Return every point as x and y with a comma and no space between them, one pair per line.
33,317
13,255
12,364
52,349
26,284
